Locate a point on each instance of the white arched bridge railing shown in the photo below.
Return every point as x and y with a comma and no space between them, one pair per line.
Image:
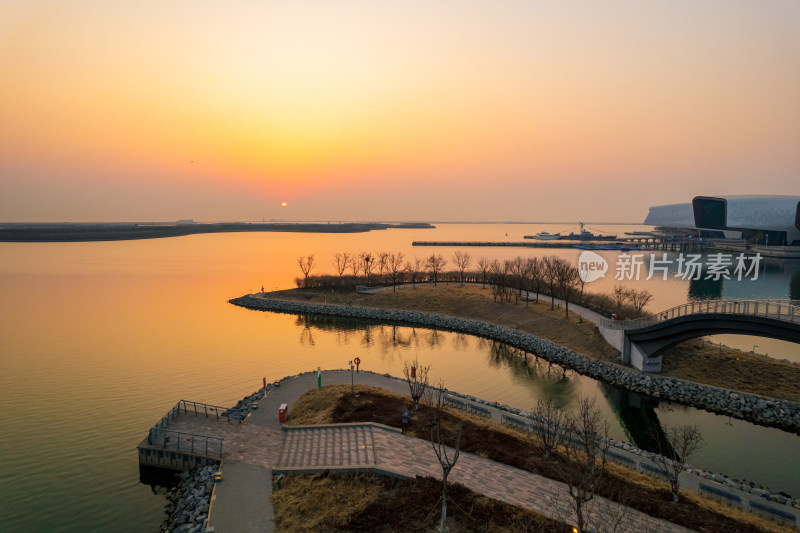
784,310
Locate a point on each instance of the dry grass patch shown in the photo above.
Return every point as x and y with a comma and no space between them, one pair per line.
316,406
368,502
517,448
752,520
700,361
320,503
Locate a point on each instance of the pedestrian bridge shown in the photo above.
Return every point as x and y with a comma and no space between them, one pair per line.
642,340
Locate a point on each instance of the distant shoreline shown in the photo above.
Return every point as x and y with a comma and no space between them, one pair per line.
95,232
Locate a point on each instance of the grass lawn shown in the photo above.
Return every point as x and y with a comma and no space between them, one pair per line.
704,362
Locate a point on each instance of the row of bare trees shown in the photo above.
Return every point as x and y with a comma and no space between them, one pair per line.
576,441
582,438
516,278
390,266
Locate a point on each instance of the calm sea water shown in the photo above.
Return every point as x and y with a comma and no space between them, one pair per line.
98,340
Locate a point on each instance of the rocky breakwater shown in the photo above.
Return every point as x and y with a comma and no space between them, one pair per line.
758,409
188,506
245,406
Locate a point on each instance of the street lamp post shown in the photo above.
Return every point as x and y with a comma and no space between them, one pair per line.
352,384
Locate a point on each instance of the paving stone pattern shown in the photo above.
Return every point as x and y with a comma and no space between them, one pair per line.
334,445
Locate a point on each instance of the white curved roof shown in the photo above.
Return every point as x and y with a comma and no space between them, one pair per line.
756,212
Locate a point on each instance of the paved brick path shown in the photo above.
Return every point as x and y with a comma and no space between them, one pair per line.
243,499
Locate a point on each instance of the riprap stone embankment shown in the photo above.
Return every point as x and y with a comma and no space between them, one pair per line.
191,502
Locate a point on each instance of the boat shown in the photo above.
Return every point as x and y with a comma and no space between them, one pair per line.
586,236
544,236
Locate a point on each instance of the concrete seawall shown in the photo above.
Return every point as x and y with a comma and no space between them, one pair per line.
761,410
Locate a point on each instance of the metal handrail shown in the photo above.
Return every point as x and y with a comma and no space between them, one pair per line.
784,310
191,442
198,408
206,408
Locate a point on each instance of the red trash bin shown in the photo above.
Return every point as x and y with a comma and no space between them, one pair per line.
282,413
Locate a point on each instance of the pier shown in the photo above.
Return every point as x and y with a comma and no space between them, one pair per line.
639,242
665,243
622,244
167,448
518,244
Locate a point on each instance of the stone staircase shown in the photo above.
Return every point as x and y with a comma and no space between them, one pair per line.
341,445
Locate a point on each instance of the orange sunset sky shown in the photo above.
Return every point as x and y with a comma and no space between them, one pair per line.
371,110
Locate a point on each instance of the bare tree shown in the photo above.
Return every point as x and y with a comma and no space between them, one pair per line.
499,279
496,271
355,264
549,424
498,293
435,263
483,267
340,262
567,279
417,378
414,267
507,277
550,275
383,262
306,264
518,268
620,294
535,269
581,285
683,442
585,450
394,264
447,455
367,264
462,261
639,299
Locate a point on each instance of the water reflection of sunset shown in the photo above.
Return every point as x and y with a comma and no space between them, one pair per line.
97,338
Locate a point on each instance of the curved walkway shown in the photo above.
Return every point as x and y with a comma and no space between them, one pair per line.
242,500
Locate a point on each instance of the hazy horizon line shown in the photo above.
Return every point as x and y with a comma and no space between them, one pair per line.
322,221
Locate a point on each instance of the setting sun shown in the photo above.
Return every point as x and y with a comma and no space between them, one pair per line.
102,107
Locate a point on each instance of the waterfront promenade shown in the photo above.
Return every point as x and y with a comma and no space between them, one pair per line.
242,499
